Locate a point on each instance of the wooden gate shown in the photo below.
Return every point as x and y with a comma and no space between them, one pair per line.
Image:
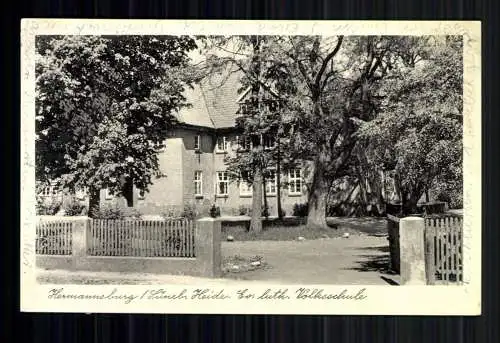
443,250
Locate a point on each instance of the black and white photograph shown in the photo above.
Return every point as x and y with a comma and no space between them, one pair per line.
291,161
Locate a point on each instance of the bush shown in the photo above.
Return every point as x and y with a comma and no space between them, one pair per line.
244,211
214,211
170,212
300,210
115,211
189,211
47,207
265,211
74,208
454,199
283,213
434,207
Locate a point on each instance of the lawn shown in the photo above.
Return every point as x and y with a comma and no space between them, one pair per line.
292,228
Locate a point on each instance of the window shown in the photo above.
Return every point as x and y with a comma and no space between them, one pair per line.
245,186
244,143
274,105
294,182
222,183
141,194
271,183
81,193
158,146
197,142
244,109
268,142
108,194
198,183
49,191
221,144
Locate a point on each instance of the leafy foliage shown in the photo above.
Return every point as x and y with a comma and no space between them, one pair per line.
101,101
115,211
47,206
418,133
300,210
73,207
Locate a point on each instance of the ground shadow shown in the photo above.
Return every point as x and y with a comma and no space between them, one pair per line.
374,263
384,248
369,225
377,263
389,281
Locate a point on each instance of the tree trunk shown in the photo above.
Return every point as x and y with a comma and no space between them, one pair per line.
256,220
264,197
128,191
410,204
278,180
94,200
316,217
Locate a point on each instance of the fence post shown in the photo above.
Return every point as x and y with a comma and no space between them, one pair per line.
412,251
79,241
208,246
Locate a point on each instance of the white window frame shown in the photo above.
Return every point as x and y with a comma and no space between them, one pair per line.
244,143
224,144
158,146
269,142
292,182
197,142
219,180
269,185
81,193
198,182
245,189
107,194
49,191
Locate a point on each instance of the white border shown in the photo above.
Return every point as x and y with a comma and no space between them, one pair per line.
427,300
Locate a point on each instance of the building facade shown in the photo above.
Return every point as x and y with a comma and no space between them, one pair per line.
192,159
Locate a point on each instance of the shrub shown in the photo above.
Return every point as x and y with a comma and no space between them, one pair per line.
74,208
170,212
300,210
47,207
214,211
434,207
189,211
265,211
115,211
244,211
282,213
453,198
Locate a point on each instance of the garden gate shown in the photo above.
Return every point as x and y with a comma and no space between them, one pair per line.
444,249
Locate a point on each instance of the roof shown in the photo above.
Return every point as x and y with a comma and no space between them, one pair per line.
214,101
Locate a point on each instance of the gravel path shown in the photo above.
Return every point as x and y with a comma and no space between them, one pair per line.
361,259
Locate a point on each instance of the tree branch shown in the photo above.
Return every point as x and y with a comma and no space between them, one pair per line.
326,60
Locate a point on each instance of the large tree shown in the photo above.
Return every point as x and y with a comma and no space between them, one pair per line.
252,57
418,134
332,88
102,102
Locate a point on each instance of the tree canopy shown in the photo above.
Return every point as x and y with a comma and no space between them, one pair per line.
102,102
418,133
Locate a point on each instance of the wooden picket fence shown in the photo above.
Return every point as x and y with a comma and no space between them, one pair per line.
54,238
444,249
141,238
